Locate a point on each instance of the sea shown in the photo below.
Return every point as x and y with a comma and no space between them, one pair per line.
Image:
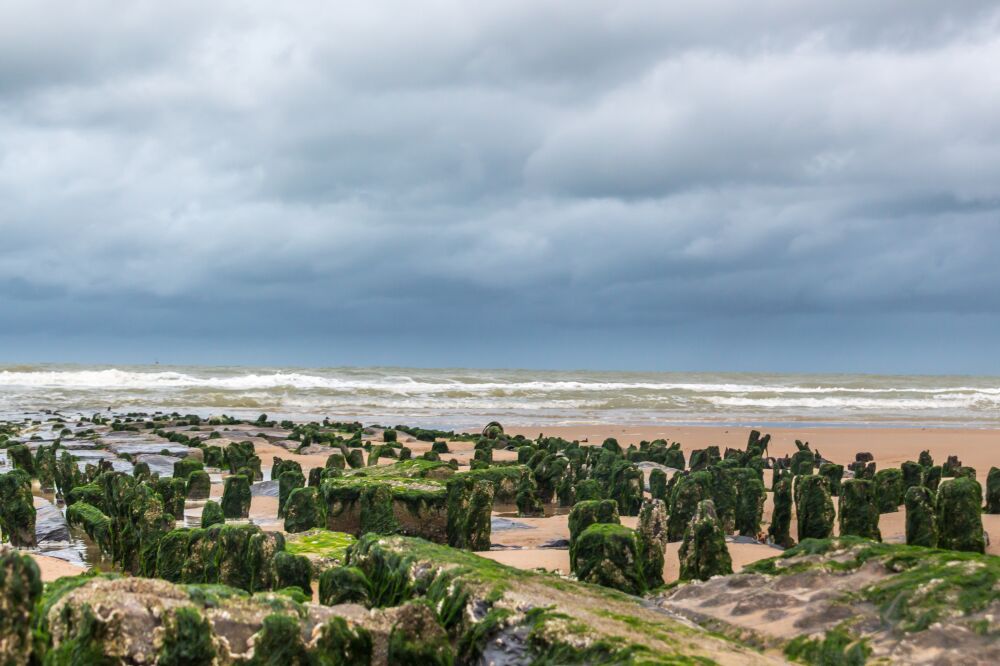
456,398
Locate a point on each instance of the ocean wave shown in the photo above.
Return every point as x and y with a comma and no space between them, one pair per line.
115,379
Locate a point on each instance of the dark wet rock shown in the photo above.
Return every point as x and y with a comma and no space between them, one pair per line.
236,497
557,544
264,489
813,507
50,523
859,514
959,515
158,464
703,551
610,555
921,519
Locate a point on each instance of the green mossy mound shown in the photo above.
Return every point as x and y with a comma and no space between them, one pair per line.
585,514
610,555
211,514
199,485
993,490
288,480
187,639
20,589
889,490
779,531
17,509
344,585
292,571
304,510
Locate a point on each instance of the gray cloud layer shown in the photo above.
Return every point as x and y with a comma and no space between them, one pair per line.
503,182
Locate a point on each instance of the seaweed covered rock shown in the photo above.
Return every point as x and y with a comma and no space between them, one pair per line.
803,462
211,514
418,639
184,467
658,484
279,641
342,644
750,496
292,571
304,510
344,585
779,531
261,550
859,513
913,475
470,506
889,489
925,459
236,497
17,509
932,478
702,458
813,507
187,639
652,532
288,480
199,484
172,553
585,514
959,515
834,474
528,502
687,493
921,521
20,458
20,588
587,489
610,555
703,551
626,487
336,461
993,490
355,459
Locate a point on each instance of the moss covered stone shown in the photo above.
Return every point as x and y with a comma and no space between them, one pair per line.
587,489
658,484
932,478
344,585
688,491
199,485
702,458
652,533
750,496
993,490
184,467
93,521
340,644
355,458
528,502
418,639
470,506
585,514
172,553
211,514
187,639
261,549
834,474
288,480
703,551
610,555
292,571
279,643
803,462
889,489
233,564
236,497
626,487
17,509
20,588
858,510
913,475
779,531
813,507
921,521
959,515
304,510
20,458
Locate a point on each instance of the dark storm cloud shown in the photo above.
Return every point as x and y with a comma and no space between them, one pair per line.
510,173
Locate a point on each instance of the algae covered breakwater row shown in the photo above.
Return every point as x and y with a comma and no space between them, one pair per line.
409,591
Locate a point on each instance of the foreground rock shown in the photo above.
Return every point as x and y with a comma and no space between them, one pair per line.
423,604
859,599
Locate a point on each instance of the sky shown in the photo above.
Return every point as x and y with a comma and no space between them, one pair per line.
775,186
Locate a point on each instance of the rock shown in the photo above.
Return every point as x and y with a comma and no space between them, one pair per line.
814,507
585,514
470,505
17,509
703,551
211,514
750,496
834,474
498,524
652,533
779,531
264,489
993,490
913,475
528,502
158,464
50,523
959,519
556,544
344,585
199,485
932,478
687,493
889,490
610,555
288,480
858,512
292,571
304,510
803,462
20,588
236,497
921,521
